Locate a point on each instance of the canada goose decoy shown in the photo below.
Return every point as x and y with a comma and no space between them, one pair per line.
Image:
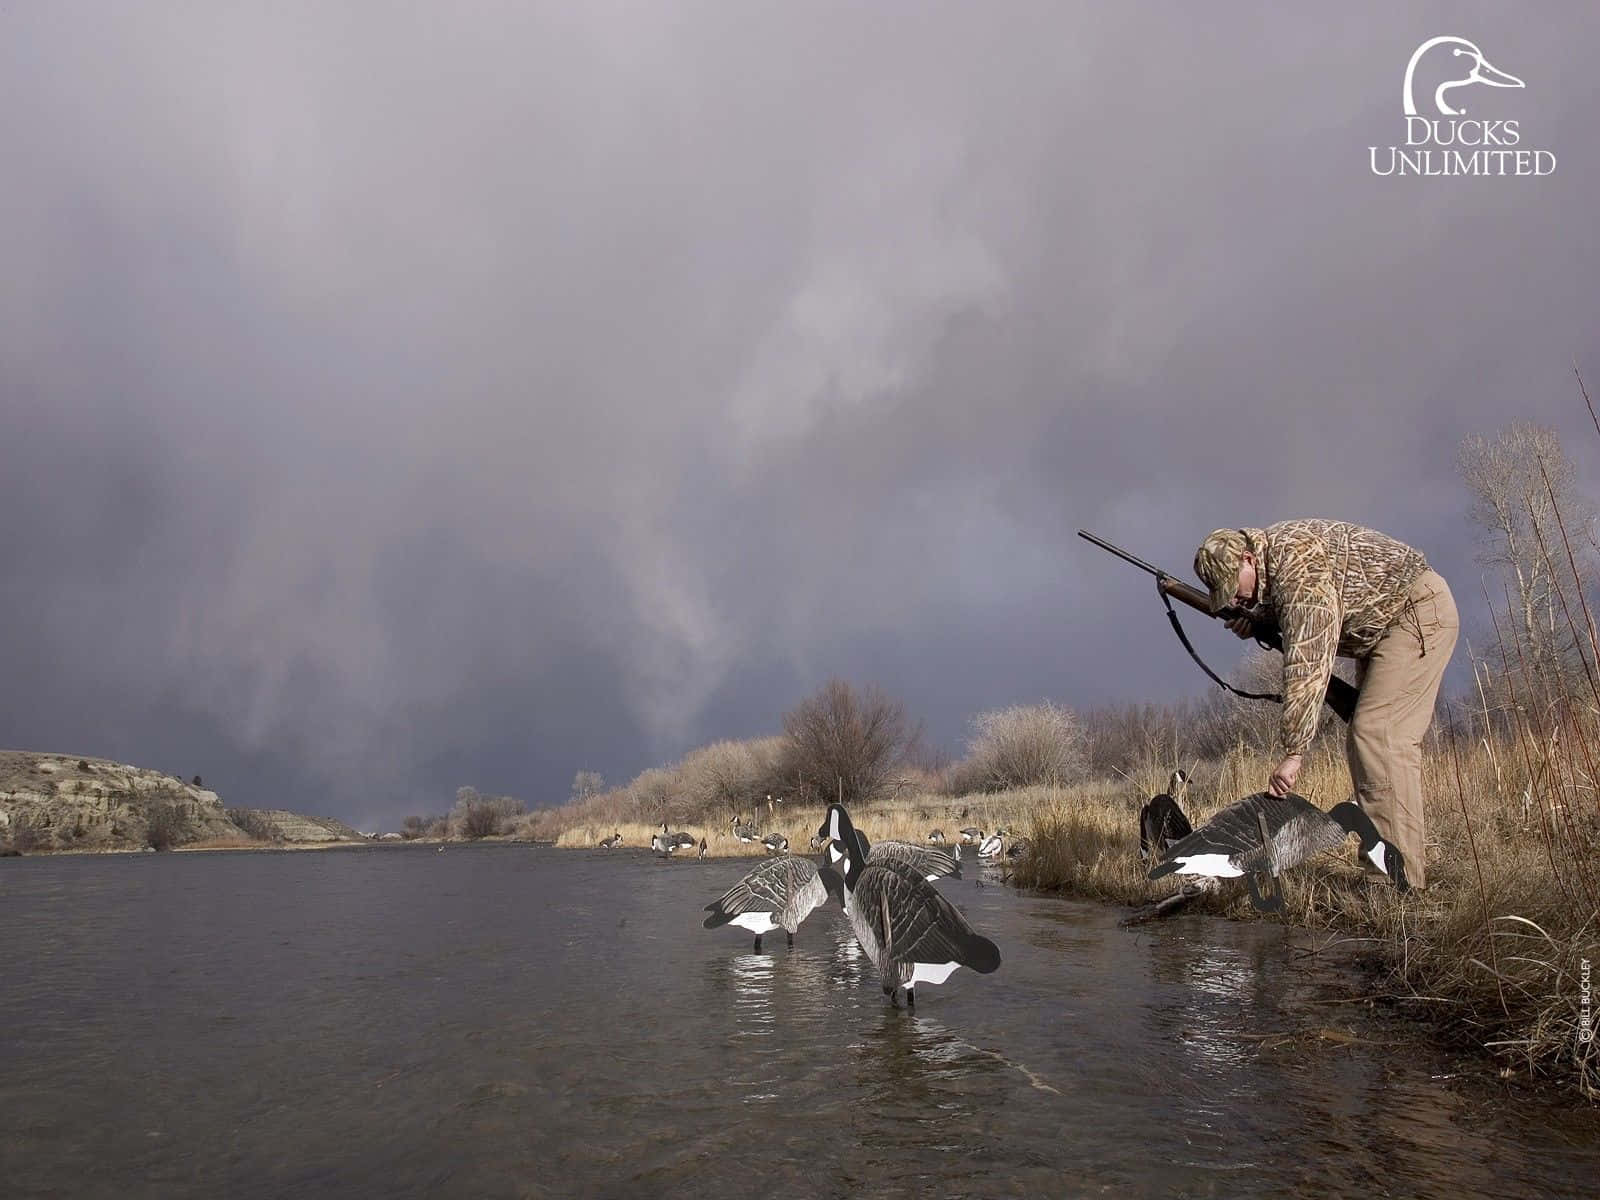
612,842
1019,849
994,843
971,836
911,933
776,843
683,841
936,838
1265,834
702,847
745,833
931,863
780,893
1161,820
662,842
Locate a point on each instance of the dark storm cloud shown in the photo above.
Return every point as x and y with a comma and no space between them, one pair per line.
403,398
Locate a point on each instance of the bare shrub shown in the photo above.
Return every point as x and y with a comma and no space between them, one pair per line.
653,794
416,826
25,839
164,825
726,779
1024,746
480,821
586,784
477,815
844,743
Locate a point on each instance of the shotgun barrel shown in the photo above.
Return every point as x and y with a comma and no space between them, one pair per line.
1340,696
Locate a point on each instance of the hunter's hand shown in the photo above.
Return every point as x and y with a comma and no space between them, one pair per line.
1283,779
1245,627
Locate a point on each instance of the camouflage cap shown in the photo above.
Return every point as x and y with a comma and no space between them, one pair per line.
1217,563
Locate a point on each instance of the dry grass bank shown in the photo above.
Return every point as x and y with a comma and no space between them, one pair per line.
1493,951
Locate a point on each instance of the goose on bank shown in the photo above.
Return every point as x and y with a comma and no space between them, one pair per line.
936,838
745,833
911,933
994,843
1162,821
661,843
1019,849
1265,834
778,894
612,842
971,836
776,843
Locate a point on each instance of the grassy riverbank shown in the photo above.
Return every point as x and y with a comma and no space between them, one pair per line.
1491,953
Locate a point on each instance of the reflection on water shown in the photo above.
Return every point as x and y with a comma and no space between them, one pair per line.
505,1021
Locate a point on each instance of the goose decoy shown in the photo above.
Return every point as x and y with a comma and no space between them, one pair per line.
683,841
1161,820
780,893
776,843
612,842
994,843
931,863
745,833
661,842
971,836
911,933
702,847
1019,849
936,838
1265,834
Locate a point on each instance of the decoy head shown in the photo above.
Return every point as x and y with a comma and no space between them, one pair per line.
1381,852
1178,781
836,824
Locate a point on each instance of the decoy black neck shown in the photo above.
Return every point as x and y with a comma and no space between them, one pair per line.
1353,820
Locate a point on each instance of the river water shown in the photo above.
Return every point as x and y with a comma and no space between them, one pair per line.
519,1021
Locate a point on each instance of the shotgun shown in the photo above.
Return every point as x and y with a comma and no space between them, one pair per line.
1341,696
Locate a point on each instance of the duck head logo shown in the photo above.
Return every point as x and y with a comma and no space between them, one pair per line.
1441,139
1444,49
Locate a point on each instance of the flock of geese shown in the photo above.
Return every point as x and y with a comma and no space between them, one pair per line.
909,931
914,935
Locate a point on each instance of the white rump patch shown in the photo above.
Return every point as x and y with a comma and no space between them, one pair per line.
755,922
932,972
1377,856
1208,864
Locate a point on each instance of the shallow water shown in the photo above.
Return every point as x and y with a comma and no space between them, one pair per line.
516,1021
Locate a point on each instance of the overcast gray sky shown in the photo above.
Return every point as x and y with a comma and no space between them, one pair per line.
404,396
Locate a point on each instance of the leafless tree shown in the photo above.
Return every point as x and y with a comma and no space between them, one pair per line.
1524,488
586,784
844,742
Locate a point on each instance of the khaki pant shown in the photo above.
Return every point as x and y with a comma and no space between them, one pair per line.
1399,685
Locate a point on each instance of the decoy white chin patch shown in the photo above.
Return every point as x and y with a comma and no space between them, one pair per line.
1378,857
1208,864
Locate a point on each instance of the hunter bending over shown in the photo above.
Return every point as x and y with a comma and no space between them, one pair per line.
1339,589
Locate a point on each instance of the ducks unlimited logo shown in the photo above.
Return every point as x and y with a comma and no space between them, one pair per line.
1452,143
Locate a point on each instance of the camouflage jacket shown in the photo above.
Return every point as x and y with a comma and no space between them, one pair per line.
1334,589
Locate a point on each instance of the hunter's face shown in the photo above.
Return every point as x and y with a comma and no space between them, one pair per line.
1244,594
